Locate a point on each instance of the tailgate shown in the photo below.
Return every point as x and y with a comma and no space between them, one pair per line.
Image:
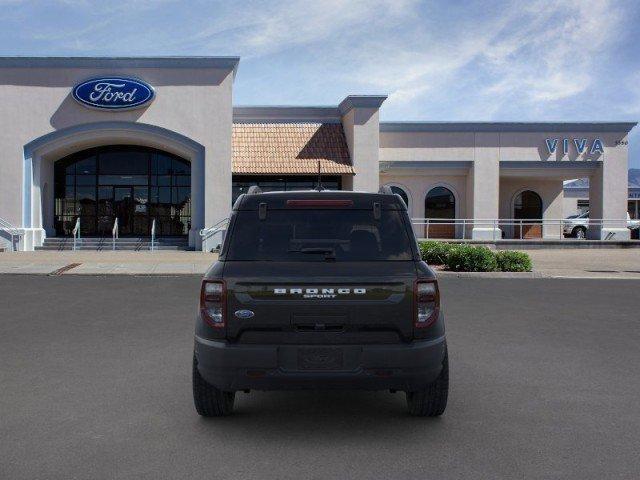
319,303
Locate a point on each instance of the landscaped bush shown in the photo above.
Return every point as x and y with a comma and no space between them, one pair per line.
467,258
435,253
470,258
509,261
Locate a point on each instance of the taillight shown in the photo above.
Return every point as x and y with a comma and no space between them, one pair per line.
427,302
320,203
212,302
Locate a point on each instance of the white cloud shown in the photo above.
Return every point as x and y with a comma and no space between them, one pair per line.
536,53
262,28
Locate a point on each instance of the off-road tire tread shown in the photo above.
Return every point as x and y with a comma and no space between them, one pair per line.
432,401
208,400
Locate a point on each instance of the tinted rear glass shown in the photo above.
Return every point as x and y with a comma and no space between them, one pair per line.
319,235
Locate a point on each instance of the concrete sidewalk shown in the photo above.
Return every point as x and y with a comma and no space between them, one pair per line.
107,263
548,263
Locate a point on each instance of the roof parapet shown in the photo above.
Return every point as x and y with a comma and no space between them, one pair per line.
223,63
360,101
547,127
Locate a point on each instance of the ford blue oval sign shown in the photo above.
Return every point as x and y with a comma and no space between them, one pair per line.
113,93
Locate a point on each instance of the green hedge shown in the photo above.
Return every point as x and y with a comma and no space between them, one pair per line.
509,261
470,258
435,253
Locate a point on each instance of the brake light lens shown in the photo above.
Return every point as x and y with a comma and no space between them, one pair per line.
212,302
427,302
320,203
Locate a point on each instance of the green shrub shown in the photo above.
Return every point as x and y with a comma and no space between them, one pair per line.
435,253
509,261
467,258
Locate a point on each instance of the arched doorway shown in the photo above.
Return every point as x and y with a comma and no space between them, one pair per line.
133,184
527,207
440,203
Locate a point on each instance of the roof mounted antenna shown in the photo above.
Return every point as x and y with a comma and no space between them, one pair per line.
319,187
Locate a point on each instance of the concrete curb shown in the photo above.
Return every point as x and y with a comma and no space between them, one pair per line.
446,273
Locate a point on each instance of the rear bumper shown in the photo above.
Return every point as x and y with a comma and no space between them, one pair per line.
232,367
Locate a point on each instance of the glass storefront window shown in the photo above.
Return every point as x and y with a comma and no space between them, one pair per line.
634,209
133,184
270,183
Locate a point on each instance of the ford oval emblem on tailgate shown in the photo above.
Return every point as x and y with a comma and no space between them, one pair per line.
244,313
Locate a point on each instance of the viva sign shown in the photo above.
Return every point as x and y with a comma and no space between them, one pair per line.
113,93
581,145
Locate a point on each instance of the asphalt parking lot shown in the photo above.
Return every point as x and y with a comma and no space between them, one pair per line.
95,383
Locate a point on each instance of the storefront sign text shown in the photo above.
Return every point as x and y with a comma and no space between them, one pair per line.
113,93
580,144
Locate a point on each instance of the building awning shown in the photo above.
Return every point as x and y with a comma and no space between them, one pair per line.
290,148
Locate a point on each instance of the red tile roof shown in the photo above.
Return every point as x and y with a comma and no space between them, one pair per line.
290,148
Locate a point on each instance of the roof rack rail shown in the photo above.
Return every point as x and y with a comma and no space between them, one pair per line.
386,190
253,190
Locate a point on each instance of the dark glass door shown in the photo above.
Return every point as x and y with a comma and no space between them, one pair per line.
123,208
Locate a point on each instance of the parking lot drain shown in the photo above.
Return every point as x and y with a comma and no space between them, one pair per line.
64,269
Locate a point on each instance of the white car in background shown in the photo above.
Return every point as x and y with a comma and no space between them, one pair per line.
576,225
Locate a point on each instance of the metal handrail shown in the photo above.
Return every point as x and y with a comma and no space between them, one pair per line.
153,234
114,234
12,231
547,224
76,234
208,233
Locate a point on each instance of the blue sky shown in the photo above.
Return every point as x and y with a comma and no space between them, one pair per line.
437,60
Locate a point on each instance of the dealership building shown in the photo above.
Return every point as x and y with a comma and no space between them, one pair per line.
158,141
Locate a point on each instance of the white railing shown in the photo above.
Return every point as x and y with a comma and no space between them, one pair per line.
114,234
210,234
517,229
12,232
153,235
76,234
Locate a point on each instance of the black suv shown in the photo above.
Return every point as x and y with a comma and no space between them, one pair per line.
318,290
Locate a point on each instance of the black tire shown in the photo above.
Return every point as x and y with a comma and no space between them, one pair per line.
432,401
209,401
580,232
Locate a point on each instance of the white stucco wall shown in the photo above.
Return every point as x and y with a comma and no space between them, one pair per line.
195,103
361,125
505,157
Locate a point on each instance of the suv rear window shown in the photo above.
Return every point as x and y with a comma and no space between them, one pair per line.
319,235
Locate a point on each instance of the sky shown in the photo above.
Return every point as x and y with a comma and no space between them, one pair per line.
441,60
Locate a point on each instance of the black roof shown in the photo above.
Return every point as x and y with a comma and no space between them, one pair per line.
359,200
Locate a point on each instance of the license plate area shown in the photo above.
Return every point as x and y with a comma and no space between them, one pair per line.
320,358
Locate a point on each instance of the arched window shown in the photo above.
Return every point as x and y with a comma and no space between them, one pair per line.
528,206
133,184
402,193
440,203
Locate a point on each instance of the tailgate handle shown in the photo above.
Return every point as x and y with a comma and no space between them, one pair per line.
320,327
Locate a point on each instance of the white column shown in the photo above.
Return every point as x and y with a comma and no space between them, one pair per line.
485,178
361,125
197,200
608,195
34,234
